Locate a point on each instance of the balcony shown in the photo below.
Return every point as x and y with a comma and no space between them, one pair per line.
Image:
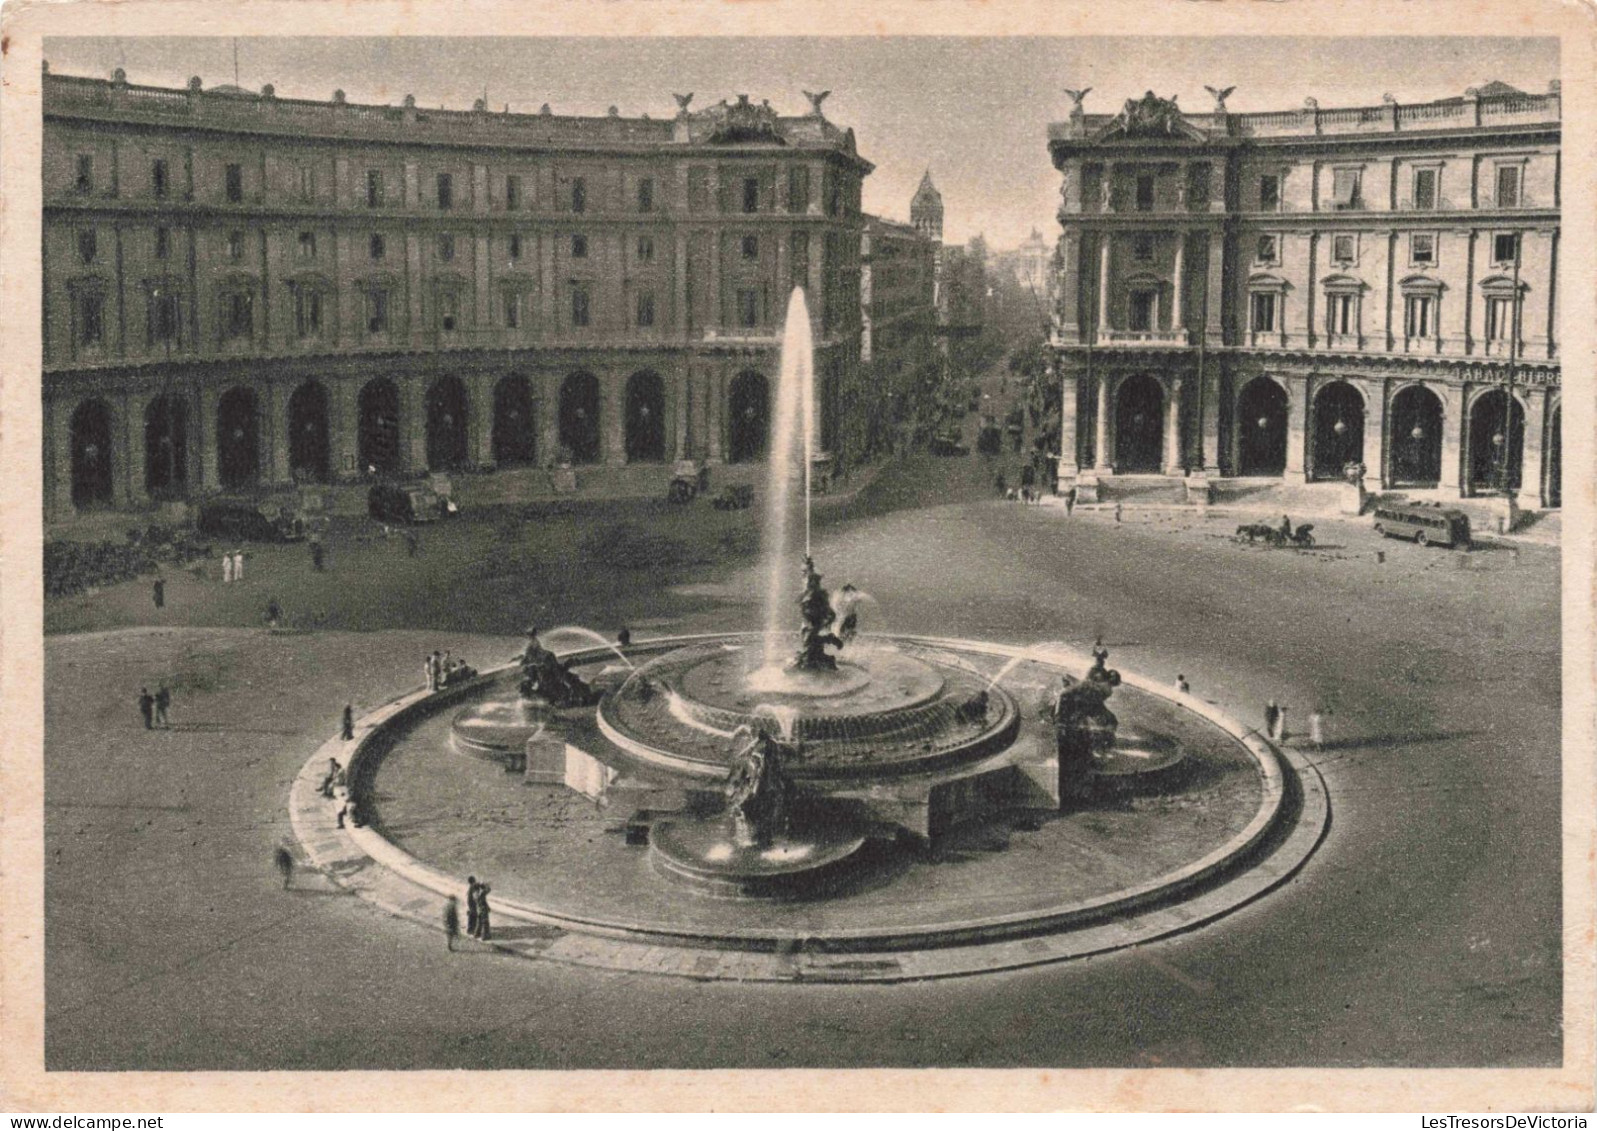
1139,339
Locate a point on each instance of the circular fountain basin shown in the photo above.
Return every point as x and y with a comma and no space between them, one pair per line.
706,856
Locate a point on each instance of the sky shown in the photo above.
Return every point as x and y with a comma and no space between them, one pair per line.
975,112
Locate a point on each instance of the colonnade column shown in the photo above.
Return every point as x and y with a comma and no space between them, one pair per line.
1100,455
547,411
276,415
612,423
479,418
1453,424
58,449
1374,455
1103,284
210,439
713,409
1172,429
681,405
133,405
1530,467
344,428
1209,422
1297,414
1068,457
413,424
1177,287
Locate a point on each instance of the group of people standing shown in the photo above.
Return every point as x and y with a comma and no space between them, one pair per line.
153,708
232,566
1275,724
442,669
477,913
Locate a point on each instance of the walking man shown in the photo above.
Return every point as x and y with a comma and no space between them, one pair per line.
1317,728
1119,510
483,931
1070,501
1182,685
158,592
285,864
227,568
1272,719
163,700
147,708
451,921
347,730
238,565
471,906
318,556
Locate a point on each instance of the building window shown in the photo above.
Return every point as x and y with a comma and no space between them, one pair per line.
377,247
751,194
645,249
800,259
1344,249
163,243
446,247
1505,247
512,193
307,183
158,179
1499,318
1143,305
1345,189
579,246
515,246
85,181
579,197
751,247
1263,311
748,308
1268,249
307,245
1508,186
377,311
646,308
374,188
1142,247
512,310
235,246
580,313
1425,189
1422,249
1341,314
798,189
1417,316
237,315
1270,193
1144,192
307,312
448,311
88,245
91,318
163,316
646,195
446,192
235,183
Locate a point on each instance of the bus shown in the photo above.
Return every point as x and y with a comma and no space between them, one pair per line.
1427,526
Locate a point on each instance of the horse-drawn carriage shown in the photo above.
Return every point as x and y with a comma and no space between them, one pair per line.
1301,538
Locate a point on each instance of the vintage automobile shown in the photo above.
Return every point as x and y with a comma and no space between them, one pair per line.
393,502
246,522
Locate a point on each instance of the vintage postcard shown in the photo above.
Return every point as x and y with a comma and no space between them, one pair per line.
798,556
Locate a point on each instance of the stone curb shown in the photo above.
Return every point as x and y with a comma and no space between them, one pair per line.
380,872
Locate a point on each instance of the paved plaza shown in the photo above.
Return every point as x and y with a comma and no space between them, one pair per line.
1424,931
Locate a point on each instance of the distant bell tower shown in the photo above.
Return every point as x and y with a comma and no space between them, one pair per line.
926,210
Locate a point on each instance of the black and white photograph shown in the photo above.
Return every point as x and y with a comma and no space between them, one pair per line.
652,546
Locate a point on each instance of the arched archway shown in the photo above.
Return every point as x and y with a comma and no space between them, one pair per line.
514,432
238,445
645,418
748,417
1261,428
1338,429
1553,461
166,445
1496,441
579,417
1139,424
1416,443
308,450
446,424
377,438
90,429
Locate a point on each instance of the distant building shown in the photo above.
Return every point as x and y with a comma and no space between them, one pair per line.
1295,293
243,291
898,317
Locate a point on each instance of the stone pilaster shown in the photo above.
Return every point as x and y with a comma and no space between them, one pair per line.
1297,420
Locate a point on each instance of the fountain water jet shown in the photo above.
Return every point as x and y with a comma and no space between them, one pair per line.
792,439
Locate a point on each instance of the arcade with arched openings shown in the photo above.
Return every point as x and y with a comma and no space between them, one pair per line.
445,406
377,433
90,440
166,446
514,437
309,453
1139,424
579,417
1260,433
1496,441
238,438
748,417
1414,450
1338,429
645,417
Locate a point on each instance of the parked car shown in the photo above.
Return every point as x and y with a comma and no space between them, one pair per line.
241,522
391,502
1428,526
947,444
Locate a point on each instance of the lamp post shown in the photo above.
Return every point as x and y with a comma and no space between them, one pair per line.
1504,440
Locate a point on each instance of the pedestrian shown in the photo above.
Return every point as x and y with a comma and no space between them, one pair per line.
435,666
347,730
227,568
147,708
1316,728
158,592
1272,717
163,700
1070,501
483,930
341,798
624,637
451,921
427,671
238,565
1181,684
471,906
318,557
1286,529
412,543
333,779
1002,484
274,612
1280,725
1119,511
285,864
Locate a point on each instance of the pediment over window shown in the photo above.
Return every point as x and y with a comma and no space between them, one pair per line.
381,281
1264,281
310,281
1344,284
449,281
1420,285
1143,280
236,281
1501,285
